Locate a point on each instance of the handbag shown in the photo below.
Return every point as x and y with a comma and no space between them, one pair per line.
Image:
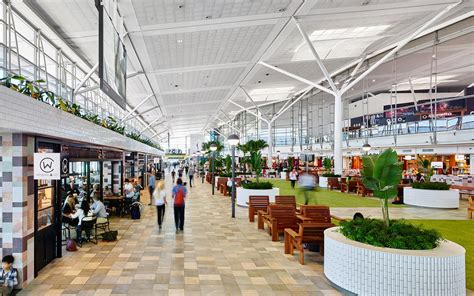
71,246
110,236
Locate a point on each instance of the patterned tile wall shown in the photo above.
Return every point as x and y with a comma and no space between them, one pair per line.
17,201
117,177
107,169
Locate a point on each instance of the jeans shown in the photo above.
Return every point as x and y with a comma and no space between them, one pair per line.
79,233
179,217
151,189
191,180
5,291
160,213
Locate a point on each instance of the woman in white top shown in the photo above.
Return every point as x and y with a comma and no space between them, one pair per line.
159,195
293,177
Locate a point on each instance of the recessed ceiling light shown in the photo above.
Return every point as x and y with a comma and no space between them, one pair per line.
259,81
336,83
180,40
176,85
180,6
373,80
208,17
281,9
267,74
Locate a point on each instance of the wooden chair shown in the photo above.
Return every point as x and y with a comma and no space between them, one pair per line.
286,200
257,203
309,233
470,208
277,218
362,190
333,183
344,185
315,214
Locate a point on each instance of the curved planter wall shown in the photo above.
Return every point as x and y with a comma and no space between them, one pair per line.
440,199
323,182
369,270
243,194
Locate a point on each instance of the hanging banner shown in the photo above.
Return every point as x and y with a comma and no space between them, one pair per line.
47,166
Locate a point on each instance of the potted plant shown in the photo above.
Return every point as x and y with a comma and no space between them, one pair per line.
359,251
431,195
323,179
253,148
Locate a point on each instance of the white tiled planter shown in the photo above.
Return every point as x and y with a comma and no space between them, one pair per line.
367,270
440,199
22,114
243,194
323,182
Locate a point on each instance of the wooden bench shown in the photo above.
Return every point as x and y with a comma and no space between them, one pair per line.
470,207
257,203
289,200
333,183
308,233
277,218
314,214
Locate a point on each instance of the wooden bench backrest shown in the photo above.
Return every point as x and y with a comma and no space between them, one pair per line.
284,215
285,200
261,201
333,180
312,232
320,214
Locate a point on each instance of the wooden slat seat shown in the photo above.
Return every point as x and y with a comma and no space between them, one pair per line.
315,214
333,183
257,203
470,208
277,218
308,233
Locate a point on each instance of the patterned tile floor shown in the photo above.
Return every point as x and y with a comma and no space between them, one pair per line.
215,255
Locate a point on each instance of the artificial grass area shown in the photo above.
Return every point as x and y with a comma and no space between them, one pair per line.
327,197
458,231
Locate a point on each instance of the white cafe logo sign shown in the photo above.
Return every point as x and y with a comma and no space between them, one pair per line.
47,166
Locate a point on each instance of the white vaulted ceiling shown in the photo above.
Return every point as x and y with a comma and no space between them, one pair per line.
197,53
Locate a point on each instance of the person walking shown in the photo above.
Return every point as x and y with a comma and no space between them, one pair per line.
151,184
308,185
293,177
179,195
191,176
173,175
159,195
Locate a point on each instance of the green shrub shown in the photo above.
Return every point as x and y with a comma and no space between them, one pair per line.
431,185
399,235
330,175
260,185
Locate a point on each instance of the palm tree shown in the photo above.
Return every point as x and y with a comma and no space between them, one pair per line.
255,160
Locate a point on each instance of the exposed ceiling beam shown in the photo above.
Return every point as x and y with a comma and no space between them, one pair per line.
199,68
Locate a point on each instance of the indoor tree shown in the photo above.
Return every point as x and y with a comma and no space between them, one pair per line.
382,173
255,160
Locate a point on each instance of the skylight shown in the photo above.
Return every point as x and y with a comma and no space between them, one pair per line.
334,43
270,94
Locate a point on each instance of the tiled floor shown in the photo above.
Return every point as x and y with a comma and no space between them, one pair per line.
216,255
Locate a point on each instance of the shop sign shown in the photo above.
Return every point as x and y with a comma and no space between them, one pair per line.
47,166
156,160
437,164
64,166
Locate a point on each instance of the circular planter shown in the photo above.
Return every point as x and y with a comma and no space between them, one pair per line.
439,199
323,182
243,194
367,270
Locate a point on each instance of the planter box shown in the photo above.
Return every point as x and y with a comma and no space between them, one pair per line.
367,270
440,199
323,182
20,113
243,194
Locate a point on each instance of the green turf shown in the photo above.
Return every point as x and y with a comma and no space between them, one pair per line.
327,197
458,231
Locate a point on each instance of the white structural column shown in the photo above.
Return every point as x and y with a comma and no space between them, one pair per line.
337,133
270,144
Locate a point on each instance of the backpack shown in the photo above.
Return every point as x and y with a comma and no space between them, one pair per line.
71,245
110,236
179,197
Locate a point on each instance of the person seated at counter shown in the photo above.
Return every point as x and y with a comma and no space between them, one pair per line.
128,189
108,192
95,190
98,210
137,187
80,213
69,209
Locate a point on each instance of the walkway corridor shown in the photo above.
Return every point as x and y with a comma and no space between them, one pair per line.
215,255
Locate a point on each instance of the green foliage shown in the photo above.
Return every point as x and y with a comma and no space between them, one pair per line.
382,173
228,164
399,235
424,165
257,185
36,91
431,186
255,160
327,175
327,164
207,146
291,160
